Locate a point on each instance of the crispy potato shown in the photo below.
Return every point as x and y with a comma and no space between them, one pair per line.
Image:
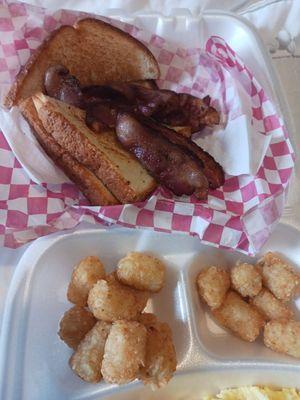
213,284
109,300
246,279
87,360
278,276
270,306
75,324
283,336
124,352
84,276
147,319
160,362
141,271
240,317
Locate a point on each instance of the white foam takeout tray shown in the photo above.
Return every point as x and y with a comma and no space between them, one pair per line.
34,362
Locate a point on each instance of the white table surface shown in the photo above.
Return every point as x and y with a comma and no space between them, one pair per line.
278,25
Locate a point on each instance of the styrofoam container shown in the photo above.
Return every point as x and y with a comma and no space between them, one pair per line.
34,362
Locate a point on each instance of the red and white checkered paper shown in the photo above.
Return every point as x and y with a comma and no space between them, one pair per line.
240,215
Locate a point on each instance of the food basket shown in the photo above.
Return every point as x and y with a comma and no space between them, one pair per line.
241,215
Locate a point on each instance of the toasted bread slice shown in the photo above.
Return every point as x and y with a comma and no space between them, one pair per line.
101,152
93,189
93,51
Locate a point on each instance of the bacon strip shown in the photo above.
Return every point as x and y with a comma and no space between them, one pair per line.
167,162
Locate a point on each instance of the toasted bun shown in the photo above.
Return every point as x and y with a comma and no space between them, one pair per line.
92,187
93,51
101,152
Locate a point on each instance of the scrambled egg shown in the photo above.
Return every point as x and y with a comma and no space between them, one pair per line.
256,393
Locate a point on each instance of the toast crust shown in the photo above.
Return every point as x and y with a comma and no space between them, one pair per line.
73,47
92,188
13,96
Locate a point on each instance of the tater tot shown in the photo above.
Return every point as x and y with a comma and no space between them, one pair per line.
109,300
160,362
75,324
84,276
270,306
283,336
141,271
278,276
124,352
147,319
213,284
240,317
87,360
246,279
